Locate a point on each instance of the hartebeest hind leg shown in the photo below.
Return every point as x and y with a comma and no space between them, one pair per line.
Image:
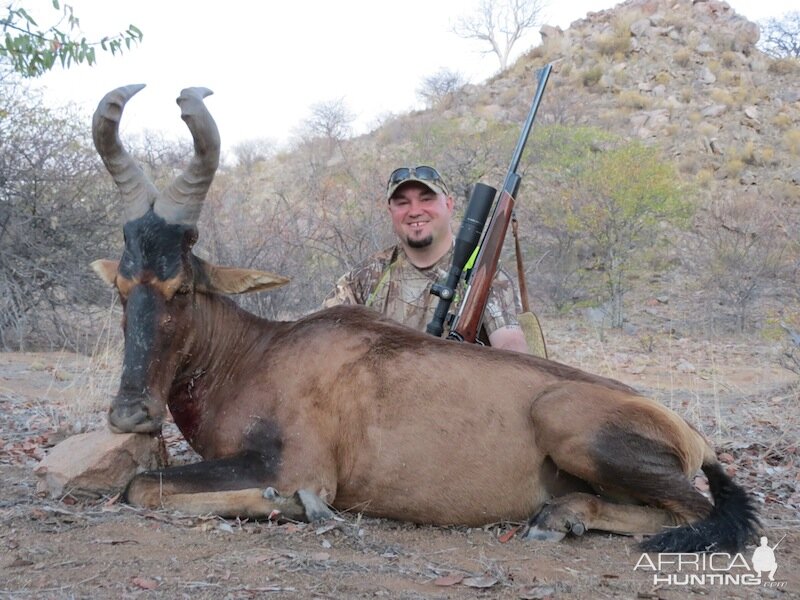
634,454
238,486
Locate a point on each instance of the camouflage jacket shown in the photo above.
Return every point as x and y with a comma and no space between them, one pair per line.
390,284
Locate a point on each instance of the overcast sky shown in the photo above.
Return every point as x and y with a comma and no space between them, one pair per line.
268,62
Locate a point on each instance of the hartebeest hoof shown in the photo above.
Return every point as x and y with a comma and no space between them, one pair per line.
316,509
560,517
543,535
313,507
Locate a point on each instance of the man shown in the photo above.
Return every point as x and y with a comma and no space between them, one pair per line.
397,281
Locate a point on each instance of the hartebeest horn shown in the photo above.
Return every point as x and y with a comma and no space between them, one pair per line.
138,192
182,201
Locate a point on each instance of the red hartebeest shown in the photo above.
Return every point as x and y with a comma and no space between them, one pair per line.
343,408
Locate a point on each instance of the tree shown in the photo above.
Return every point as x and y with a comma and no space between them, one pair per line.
435,88
57,214
744,253
610,206
328,125
781,37
331,120
32,50
500,23
251,152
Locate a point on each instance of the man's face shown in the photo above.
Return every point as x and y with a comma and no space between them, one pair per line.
420,216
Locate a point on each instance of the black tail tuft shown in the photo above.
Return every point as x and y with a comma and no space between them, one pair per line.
732,523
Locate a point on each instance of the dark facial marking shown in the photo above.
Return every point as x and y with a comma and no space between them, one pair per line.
141,312
152,245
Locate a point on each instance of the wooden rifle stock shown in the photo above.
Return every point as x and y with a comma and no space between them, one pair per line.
468,321
467,324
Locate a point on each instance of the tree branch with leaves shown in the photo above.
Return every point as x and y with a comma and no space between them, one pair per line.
32,50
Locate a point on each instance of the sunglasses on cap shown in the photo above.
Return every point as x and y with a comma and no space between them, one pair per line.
422,173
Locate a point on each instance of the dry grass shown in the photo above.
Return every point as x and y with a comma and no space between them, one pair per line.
591,76
614,44
782,121
733,166
704,178
784,66
634,99
791,141
682,57
98,380
722,96
663,78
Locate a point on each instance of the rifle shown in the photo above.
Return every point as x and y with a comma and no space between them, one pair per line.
466,324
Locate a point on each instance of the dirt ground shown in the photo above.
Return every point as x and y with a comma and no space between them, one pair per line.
733,390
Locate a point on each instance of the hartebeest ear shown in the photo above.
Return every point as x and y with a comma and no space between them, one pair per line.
106,269
230,280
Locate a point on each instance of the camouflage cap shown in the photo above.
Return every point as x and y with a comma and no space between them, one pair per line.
427,176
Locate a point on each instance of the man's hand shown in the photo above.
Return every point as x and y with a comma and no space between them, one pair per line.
509,338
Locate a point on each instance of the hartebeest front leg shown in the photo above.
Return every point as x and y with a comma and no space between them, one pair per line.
239,486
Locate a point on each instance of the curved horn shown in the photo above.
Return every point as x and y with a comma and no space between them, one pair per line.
182,201
138,192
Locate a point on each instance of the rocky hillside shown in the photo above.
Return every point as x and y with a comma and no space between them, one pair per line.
682,74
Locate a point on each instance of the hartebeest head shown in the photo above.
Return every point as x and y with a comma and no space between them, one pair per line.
158,275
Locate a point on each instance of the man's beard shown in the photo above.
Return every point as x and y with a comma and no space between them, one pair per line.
422,243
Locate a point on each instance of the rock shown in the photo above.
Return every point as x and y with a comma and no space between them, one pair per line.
640,28
706,76
705,49
751,112
714,110
790,96
94,464
550,32
748,178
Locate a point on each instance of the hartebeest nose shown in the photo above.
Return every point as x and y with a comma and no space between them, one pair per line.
133,416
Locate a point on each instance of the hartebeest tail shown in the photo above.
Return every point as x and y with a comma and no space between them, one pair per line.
731,524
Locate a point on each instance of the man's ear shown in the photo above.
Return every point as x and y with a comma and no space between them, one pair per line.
230,280
106,269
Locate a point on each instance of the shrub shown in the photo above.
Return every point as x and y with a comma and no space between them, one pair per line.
721,96
730,58
784,66
611,44
734,166
591,76
634,99
682,56
704,178
782,121
791,139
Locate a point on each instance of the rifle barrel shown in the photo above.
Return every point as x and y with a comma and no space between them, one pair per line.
544,74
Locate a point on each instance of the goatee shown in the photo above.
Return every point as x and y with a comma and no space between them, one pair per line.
423,243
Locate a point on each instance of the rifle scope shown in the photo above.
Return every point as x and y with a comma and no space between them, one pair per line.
469,234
